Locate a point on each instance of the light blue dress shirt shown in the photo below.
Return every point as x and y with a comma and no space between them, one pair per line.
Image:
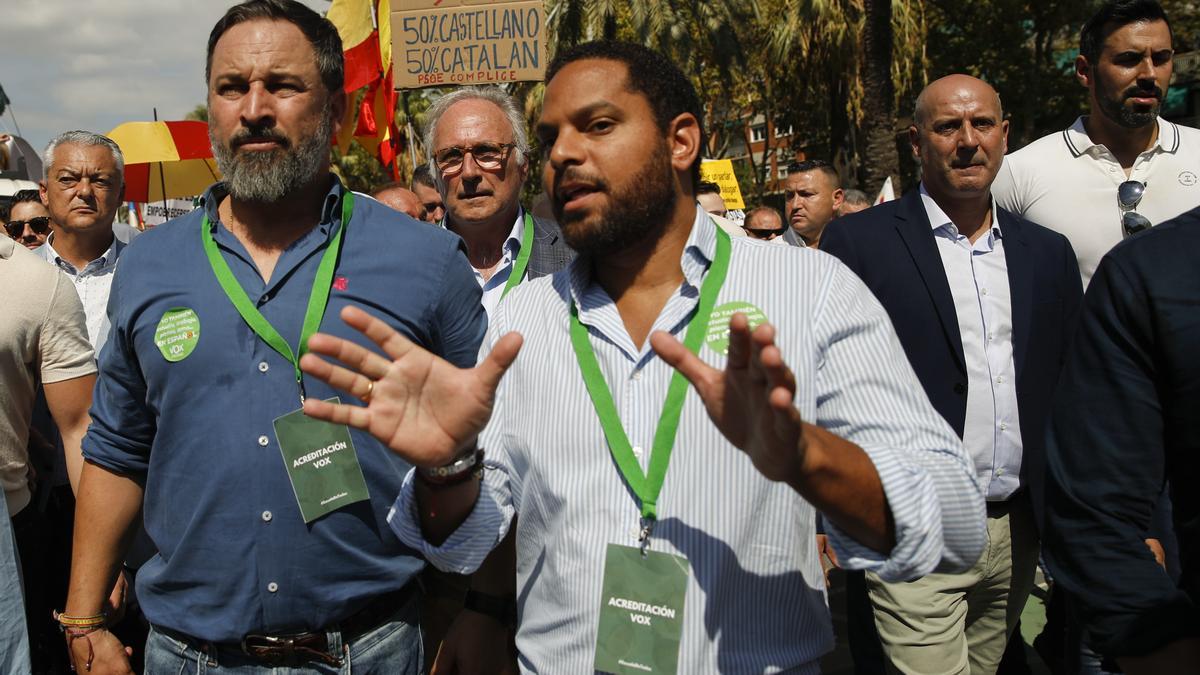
978,277
93,284
756,595
493,287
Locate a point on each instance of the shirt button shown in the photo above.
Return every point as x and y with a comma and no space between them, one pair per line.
272,587
263,367
637,452
266,516
999,472
1003,426
983,291
637,375
1000,379
263,441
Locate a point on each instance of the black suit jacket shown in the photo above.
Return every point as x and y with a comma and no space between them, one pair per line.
892,249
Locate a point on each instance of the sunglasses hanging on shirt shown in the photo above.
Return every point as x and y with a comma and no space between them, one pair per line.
1129,195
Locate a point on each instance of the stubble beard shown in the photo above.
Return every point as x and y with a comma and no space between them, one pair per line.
635,212
1114,108
268,177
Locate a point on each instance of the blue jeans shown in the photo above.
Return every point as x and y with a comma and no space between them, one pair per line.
394,648
14,639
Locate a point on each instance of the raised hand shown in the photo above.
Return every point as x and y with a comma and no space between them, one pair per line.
424,408
751,400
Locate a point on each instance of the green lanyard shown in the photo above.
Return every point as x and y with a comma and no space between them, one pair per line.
317,298
647,487
518,270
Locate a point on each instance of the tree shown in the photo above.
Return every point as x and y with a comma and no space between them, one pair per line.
200,112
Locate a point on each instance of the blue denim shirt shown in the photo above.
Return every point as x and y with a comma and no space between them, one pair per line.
234,554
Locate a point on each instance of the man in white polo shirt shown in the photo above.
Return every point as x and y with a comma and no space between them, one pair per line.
1071,181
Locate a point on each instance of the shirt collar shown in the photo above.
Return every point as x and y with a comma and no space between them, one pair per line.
1079,143
938,218
698,254
210,201
513,243
105,261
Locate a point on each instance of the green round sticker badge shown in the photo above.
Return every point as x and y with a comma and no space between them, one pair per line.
717,336
177,333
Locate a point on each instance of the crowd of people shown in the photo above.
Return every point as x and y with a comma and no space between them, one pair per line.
621,430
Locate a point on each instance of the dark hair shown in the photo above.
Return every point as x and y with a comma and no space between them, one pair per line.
422,176
706,188
18,197
321,34
21,196
652,75
816,165
1112,16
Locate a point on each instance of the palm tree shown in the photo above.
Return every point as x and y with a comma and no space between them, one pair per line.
852,59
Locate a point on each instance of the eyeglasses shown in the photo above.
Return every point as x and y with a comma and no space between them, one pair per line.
1129,195
39,225
765,234
489,157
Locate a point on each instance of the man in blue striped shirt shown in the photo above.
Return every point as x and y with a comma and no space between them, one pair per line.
579,431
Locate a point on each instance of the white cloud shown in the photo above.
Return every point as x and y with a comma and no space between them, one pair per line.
71,64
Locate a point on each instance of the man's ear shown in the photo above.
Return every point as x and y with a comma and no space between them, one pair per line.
914,140
337,108
683,138
42,193
1083,71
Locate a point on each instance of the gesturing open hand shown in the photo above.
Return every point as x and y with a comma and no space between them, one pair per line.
424,408
751,400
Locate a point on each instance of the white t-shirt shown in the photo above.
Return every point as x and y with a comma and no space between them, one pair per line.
1067,183
43,339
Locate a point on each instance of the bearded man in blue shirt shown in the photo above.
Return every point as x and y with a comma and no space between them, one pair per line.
273,545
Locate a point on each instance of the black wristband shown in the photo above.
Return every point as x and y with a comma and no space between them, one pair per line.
503,610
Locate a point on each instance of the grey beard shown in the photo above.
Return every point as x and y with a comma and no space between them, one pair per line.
271,176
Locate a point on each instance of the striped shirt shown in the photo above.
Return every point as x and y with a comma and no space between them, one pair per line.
755,598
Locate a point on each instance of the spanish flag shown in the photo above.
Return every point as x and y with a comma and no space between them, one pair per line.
366,31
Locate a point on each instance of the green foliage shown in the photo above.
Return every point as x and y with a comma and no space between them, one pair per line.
359,169
200,112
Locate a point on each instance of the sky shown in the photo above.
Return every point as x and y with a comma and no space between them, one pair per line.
79,64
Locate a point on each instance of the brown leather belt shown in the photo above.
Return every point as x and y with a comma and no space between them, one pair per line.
296,649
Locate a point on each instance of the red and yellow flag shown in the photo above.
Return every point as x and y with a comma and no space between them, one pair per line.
366,31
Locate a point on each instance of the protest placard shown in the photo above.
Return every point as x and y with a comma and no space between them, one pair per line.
157,213
720,171
455,42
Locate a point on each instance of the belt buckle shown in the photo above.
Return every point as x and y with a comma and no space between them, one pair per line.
286,649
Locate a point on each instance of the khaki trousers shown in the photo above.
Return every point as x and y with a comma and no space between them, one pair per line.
945,624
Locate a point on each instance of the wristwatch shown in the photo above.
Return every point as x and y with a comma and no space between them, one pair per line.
458,471
503,609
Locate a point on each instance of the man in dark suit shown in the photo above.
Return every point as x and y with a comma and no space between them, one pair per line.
1124,419
983,303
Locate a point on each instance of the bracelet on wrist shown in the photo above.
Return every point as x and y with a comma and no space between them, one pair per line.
460,470
66,621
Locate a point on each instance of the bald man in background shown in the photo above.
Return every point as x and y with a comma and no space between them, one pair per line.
401,199
983,302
